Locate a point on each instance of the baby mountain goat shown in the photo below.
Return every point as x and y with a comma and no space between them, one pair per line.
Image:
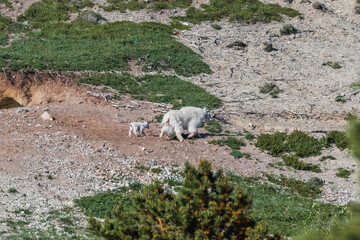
135,126
188,118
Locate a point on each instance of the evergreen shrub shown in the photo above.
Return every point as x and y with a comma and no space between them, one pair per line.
207,206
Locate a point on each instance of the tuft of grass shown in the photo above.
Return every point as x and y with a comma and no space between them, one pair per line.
287,29
334,65
159,118
311,188
270,88
156,88
294,162
216,26
4,22
23,210
340,98
156,170
82,45
142,168
213,126
343,173
135,186
237,11
232,142
237,45
12,190
18,27
268,47
50,177
249,136
236,154
323,158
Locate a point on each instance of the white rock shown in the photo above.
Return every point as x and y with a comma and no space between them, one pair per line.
47,116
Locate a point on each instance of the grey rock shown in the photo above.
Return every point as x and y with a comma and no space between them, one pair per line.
22,110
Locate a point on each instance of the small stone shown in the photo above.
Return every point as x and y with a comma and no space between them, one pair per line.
22,110
319,6
47,116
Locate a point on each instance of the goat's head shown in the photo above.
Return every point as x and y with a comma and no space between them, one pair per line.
207,114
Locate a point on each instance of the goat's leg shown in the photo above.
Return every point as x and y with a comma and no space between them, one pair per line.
193,134
162,133
142,131
179,137
130,129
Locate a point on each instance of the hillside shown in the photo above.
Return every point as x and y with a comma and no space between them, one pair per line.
94,76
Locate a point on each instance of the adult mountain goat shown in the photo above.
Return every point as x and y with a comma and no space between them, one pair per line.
188,118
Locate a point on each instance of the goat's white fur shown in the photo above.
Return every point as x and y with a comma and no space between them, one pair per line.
188,118
135,126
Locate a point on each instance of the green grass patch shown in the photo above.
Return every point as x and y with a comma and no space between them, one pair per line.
236,154
213,126
7,3
300,143
12,190
291,213
82,45
157,88
100,205
3,38
294,162
142,168
51,11
248,11
311,188
249,136
343,173
4,22
134,5
232,142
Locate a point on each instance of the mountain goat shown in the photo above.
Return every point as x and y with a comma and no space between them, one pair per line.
188,118
135,126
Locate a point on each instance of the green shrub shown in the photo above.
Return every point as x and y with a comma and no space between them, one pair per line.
82,45
343,173
294,162
12,190
17,27
334,65
156,88
207,206
274,143
270,88
351,116
236,154
299,143
159,118
237,11
338,138
287,29
311,188
213,126
232,142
